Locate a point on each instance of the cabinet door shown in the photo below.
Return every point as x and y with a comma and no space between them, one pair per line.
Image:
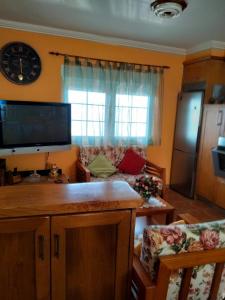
223,124
220,182
196,72
91,256
211,130
24,259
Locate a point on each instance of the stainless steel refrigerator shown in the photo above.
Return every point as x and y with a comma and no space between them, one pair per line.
186,140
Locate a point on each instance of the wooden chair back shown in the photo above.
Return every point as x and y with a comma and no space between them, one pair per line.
187,261
143,288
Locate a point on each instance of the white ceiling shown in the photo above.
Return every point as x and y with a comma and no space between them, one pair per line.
201,22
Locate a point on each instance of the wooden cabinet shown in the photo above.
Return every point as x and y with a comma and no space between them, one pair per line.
90,256
82,250
209,186
24,259
210,70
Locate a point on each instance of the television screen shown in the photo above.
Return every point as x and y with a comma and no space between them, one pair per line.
25,124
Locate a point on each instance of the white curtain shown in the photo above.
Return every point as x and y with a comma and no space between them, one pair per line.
113,103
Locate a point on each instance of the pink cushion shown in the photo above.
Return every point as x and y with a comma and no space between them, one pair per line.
132,163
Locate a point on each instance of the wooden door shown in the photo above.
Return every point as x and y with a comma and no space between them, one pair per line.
24,259
91,256
211,129
220,182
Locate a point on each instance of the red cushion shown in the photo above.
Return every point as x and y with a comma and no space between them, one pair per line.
132,163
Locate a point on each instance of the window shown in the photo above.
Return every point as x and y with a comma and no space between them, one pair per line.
89,111
113,103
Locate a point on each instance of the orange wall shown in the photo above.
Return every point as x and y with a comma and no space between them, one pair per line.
49,88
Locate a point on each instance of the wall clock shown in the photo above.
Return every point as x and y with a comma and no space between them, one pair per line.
20,63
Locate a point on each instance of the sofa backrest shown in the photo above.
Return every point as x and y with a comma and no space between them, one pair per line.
172,240
113,153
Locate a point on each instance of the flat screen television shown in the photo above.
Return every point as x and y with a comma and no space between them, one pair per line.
28,127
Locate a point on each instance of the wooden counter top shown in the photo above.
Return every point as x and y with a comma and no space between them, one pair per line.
55,199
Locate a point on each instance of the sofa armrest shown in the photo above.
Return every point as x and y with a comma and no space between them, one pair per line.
157,171
83,174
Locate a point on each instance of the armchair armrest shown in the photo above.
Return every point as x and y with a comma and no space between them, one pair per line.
83,174
188,218
142,286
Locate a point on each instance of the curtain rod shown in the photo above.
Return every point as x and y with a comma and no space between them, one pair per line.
70,55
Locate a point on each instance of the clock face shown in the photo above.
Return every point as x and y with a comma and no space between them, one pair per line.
20,63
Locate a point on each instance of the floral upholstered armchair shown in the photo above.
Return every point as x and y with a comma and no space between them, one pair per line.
181,262
124,161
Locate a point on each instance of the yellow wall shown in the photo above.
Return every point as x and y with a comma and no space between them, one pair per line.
49,88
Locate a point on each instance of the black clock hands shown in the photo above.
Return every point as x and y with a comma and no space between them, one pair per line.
20,76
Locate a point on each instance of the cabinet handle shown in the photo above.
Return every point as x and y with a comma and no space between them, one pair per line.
219,118
41,251
56,245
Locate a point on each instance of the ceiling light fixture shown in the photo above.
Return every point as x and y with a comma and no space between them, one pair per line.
168,8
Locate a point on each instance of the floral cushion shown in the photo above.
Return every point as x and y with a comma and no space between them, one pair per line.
169,240
113,153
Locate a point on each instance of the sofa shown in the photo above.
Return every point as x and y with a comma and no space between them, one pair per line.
181,261
116,154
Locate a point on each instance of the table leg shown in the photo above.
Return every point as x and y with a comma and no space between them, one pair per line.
169,217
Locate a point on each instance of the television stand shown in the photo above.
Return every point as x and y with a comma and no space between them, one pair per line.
45,180
39,177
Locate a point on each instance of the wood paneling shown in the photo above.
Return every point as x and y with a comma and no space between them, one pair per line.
205,185
91,256
220,192
208,185
24,259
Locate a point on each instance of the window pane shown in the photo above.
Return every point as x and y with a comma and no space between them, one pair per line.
138,130
139,115
78,128
96,98
140,101
122,129
96,113
77,96
78,112
123,114
123,100
95,128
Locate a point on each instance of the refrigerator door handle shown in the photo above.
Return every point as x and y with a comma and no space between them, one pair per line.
219,117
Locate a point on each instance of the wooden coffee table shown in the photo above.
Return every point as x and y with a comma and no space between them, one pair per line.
167,210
